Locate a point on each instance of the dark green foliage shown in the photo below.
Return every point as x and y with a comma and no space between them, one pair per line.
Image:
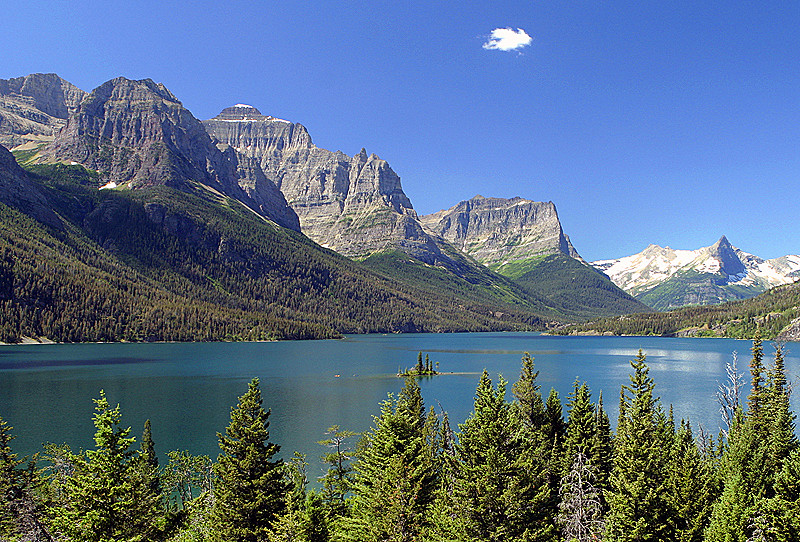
691,487
580,424
638,502
337,481
577,291
250,491
421,368
500,489
395,474
160,264
769,313
602,451
107,497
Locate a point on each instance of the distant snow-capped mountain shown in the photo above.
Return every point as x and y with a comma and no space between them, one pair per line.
665,278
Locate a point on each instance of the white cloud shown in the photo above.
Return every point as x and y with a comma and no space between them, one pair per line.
507,39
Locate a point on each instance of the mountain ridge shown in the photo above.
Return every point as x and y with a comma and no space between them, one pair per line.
665,278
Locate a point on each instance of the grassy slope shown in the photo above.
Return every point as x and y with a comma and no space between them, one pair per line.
577,291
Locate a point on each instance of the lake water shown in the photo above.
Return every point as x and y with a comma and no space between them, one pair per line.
187,390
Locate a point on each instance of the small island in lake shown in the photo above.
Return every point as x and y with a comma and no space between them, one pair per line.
422,368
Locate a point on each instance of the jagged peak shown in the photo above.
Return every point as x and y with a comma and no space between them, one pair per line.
107,89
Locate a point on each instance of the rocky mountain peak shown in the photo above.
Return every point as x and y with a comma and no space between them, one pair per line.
34,107
138,134
500,231
665,278
725,254
352,204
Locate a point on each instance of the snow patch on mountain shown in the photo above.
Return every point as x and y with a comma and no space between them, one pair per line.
655,265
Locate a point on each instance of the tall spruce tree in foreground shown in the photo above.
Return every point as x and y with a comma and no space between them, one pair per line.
638,497
500,489
107,497
250,490
396,472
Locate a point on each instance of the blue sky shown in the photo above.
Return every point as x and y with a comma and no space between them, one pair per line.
645,122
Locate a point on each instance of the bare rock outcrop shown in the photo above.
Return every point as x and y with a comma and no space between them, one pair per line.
34,107
499,231
137,134
354,205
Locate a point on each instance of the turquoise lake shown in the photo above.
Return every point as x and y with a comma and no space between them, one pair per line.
187,390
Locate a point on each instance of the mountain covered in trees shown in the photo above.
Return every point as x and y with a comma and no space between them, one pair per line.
776,313
519,469
133,223
664,278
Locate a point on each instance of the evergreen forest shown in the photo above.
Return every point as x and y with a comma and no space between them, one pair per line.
524,465
770,314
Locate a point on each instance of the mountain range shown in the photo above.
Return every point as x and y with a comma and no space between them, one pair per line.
664,278
235,191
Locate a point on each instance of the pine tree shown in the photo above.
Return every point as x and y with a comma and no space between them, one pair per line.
602,448
395,475
580,425
757,376
637,500
500,489
107,498
149,458
337,481
691,486
250,490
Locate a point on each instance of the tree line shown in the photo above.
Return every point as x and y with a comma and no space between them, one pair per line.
518,469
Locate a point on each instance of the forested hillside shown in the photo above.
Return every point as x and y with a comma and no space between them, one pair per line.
166,264
514,470
774,312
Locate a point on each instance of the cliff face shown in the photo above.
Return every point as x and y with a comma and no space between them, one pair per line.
354,205
137,134
18,191
34,107
498,232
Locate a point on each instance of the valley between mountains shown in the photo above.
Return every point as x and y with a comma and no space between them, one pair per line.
124,217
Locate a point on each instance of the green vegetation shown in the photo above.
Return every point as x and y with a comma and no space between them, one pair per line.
422,368
577,291
693,288
514,470
517,268
770,312
160,264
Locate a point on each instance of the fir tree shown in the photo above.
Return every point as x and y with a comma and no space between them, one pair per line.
500,490
756,376
691,486
580,425
107,498
149,459
337,481
528,397
250,490
637,500
602,450
395,475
